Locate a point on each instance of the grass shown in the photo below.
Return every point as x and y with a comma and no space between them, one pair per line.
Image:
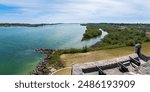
69,59
146,48
55,61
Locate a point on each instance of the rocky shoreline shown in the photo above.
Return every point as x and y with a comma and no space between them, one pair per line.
42,67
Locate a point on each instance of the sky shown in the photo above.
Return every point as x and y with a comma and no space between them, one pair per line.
74,11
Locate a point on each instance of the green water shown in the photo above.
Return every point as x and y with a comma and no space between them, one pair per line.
17,44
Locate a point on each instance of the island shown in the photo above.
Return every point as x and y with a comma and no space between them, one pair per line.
92,31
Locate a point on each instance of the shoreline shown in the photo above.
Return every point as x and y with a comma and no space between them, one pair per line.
42,67
24,24
99,42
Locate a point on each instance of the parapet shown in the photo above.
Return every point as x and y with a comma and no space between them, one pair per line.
81,69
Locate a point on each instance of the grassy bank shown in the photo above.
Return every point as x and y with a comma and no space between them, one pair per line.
69,59
55,61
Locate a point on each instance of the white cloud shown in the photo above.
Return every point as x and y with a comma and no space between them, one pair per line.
80,10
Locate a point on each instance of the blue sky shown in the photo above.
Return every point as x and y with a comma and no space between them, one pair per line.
74,11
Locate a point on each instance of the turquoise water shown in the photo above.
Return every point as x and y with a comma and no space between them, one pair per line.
17,44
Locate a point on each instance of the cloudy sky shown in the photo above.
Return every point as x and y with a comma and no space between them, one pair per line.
74,11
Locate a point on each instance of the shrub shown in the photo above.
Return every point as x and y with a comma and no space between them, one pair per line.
130,43
147,39
85,49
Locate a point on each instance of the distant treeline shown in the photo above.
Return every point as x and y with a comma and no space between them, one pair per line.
118,27
23,24
91,31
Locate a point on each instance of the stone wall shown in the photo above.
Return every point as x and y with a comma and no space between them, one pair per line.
109,64
80,69
138,51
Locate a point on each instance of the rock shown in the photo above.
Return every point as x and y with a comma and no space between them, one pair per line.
40,73
45,70
41,67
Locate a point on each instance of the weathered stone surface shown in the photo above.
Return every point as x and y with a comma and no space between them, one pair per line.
77,68
144,69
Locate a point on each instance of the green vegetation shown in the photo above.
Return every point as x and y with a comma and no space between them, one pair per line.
125,37
109,27
92,31
73,50
121,35
55,61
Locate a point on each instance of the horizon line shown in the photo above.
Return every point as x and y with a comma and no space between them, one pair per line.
76,23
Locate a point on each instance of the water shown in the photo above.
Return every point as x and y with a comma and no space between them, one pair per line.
17,44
